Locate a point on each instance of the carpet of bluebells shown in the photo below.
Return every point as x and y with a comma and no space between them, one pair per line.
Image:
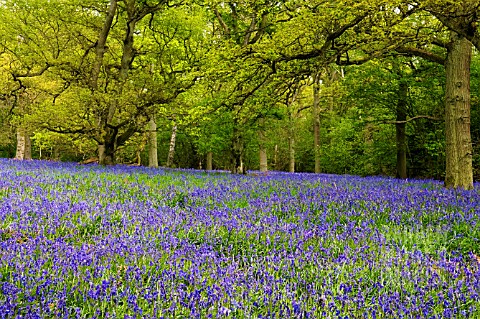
129,242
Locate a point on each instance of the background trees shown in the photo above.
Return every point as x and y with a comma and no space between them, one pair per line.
338,87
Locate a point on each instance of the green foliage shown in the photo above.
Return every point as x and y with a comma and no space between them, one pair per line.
464,238
222,72
373,89
475,114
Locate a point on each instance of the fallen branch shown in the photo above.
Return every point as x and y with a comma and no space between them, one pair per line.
89,161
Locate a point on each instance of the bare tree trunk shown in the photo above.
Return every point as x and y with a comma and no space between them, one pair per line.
100,46
152,143
106,154
101,153
333,76
141,147
209,161
108,136
237,150
28,146
291,129
316,121
275,157
56,153
291,154
459,171
263,159
262,147
20,143
401,138
24,145
171,150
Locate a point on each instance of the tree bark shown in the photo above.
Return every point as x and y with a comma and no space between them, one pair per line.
237,150
152,143
171,150
275,157
100,46
101,153
209,161
106,154
291,129
105,151
262,148
291,154
459,171
20,143
28,146
263,159
316,122
56,153
108,136
24,145
401,138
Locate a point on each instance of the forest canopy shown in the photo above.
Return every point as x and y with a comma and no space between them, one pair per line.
345,87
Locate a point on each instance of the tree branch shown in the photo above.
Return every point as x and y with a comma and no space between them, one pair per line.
29,73
328,42
411,51
413,119
225,28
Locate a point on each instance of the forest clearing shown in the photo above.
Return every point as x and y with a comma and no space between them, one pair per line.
134,242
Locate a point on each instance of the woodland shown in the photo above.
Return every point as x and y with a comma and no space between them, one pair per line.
344,87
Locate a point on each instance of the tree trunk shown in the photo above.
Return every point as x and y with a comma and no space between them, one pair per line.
100,45
401,137
459,172
291,154
171,150
152,142
291,129
237,150
141,147
107,135
262,147
20,143
316,122
56,153
263,159
209,161
333,76
24,145
237,162
106,154
275,157
28,146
